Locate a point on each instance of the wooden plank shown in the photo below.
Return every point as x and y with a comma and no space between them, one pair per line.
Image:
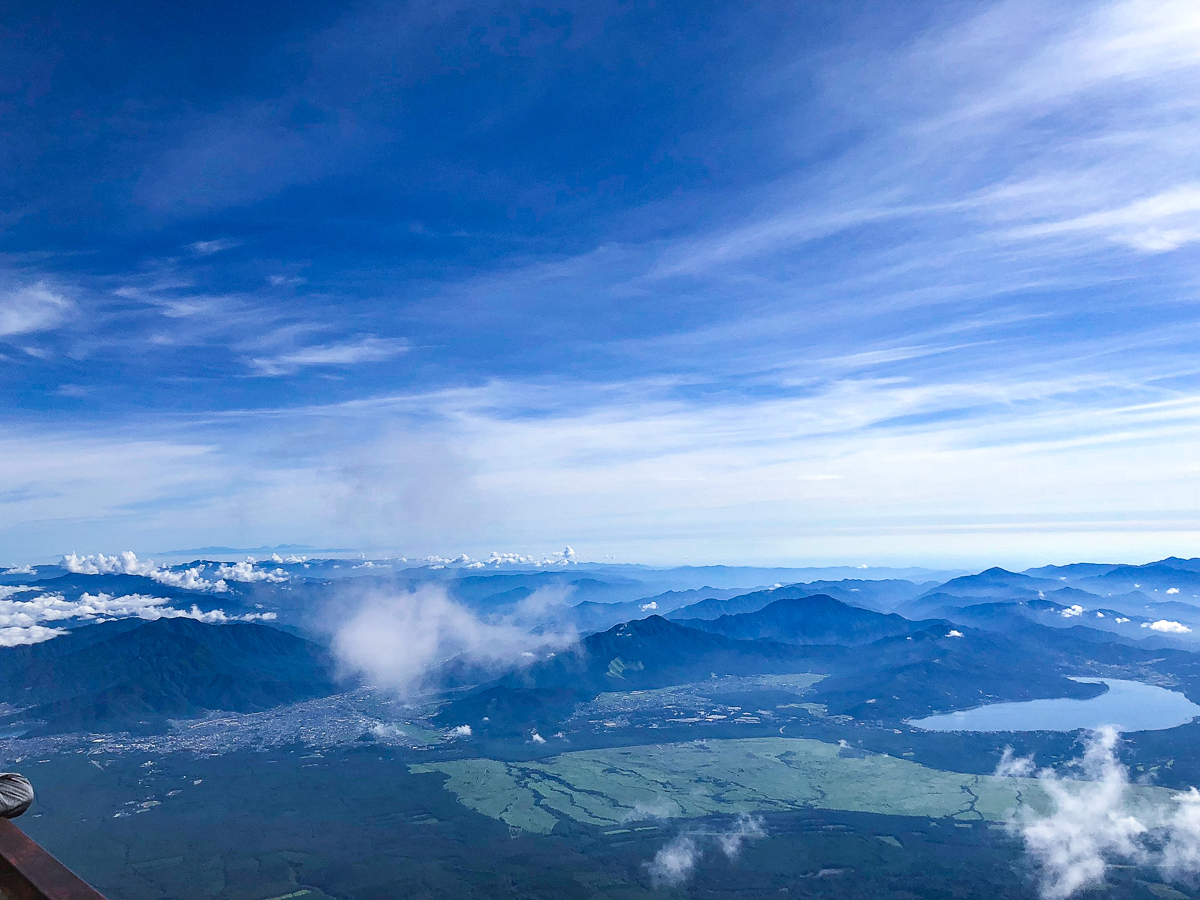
27,872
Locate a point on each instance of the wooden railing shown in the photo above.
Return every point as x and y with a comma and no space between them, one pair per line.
27,872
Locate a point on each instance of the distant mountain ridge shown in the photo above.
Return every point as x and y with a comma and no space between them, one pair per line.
915,668
813,619
881,595
134,675
996,582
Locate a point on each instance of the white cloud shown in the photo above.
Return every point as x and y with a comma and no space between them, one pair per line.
210,617
208,248
616,457
1092,823
745,828
21,621
15,636
32,309
21,570
124,563
1121,620
1088,824
1154,224
7,591
1181,852
246,573
1072,611
127,563
1168,627
1013,766
537,738
386,731
461,731
954,633
56,608
1172,590
351,353
674,863
188,579
395,639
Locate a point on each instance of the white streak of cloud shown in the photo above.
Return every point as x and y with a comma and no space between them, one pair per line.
22,621
352,353
32,309
208,248
15,635
7,591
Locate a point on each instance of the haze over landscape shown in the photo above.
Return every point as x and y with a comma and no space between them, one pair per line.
602,450
663,733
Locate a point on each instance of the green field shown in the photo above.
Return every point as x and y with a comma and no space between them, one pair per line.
699,778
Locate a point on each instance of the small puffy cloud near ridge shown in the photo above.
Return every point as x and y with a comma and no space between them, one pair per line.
1166,626
247,574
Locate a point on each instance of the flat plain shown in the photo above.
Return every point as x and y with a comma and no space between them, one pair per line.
614,786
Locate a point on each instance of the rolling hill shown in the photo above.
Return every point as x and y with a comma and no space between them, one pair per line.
134,675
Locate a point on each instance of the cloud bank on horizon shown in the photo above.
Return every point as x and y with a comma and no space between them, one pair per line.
676,285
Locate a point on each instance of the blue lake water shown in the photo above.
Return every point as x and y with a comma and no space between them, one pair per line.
1128,705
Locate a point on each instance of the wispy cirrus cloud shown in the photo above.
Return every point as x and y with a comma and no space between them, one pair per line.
369,349
30,309
934,284
218,245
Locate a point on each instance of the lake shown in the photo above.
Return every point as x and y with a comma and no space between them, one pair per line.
1128,705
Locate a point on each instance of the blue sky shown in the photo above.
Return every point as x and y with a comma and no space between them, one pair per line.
778,283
